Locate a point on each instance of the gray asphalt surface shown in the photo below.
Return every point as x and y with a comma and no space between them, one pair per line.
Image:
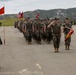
19,58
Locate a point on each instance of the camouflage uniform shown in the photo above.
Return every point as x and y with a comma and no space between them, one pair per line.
43,31
15,24
34,31
29,32
24,28
38,31
56,31
20,23
48,33
66,31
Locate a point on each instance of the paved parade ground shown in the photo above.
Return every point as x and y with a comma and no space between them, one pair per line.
19,58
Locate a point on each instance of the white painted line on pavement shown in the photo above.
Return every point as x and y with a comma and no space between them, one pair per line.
38,65
22,70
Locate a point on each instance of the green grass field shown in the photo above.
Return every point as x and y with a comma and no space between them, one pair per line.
8,22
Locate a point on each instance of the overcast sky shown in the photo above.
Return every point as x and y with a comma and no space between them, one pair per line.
14,6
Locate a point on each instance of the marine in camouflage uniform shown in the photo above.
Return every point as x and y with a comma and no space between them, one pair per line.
34,31
24,28
44,30
16,24
20,23
28,31
67,26
48,32
38,31
56,30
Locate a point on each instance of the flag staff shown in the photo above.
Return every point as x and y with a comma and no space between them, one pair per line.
4,26
4,35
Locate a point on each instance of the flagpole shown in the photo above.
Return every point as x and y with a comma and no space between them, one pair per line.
4,35
4,25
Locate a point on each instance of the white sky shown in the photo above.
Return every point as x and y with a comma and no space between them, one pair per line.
15,6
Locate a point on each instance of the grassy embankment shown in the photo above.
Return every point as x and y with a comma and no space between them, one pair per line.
8,22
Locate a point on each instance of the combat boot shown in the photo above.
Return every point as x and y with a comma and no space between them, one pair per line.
66,48
55,50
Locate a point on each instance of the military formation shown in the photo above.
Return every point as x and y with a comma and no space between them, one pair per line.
46,30
35,29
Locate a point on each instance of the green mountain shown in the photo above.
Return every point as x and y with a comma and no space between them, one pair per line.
60,13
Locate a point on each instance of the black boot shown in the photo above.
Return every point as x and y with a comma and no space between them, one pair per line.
66,48
57,49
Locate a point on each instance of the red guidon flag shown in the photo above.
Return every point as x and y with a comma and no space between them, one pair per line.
20,15
1,10
37,16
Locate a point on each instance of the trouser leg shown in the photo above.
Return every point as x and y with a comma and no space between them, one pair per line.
67,44
58,42
55,43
